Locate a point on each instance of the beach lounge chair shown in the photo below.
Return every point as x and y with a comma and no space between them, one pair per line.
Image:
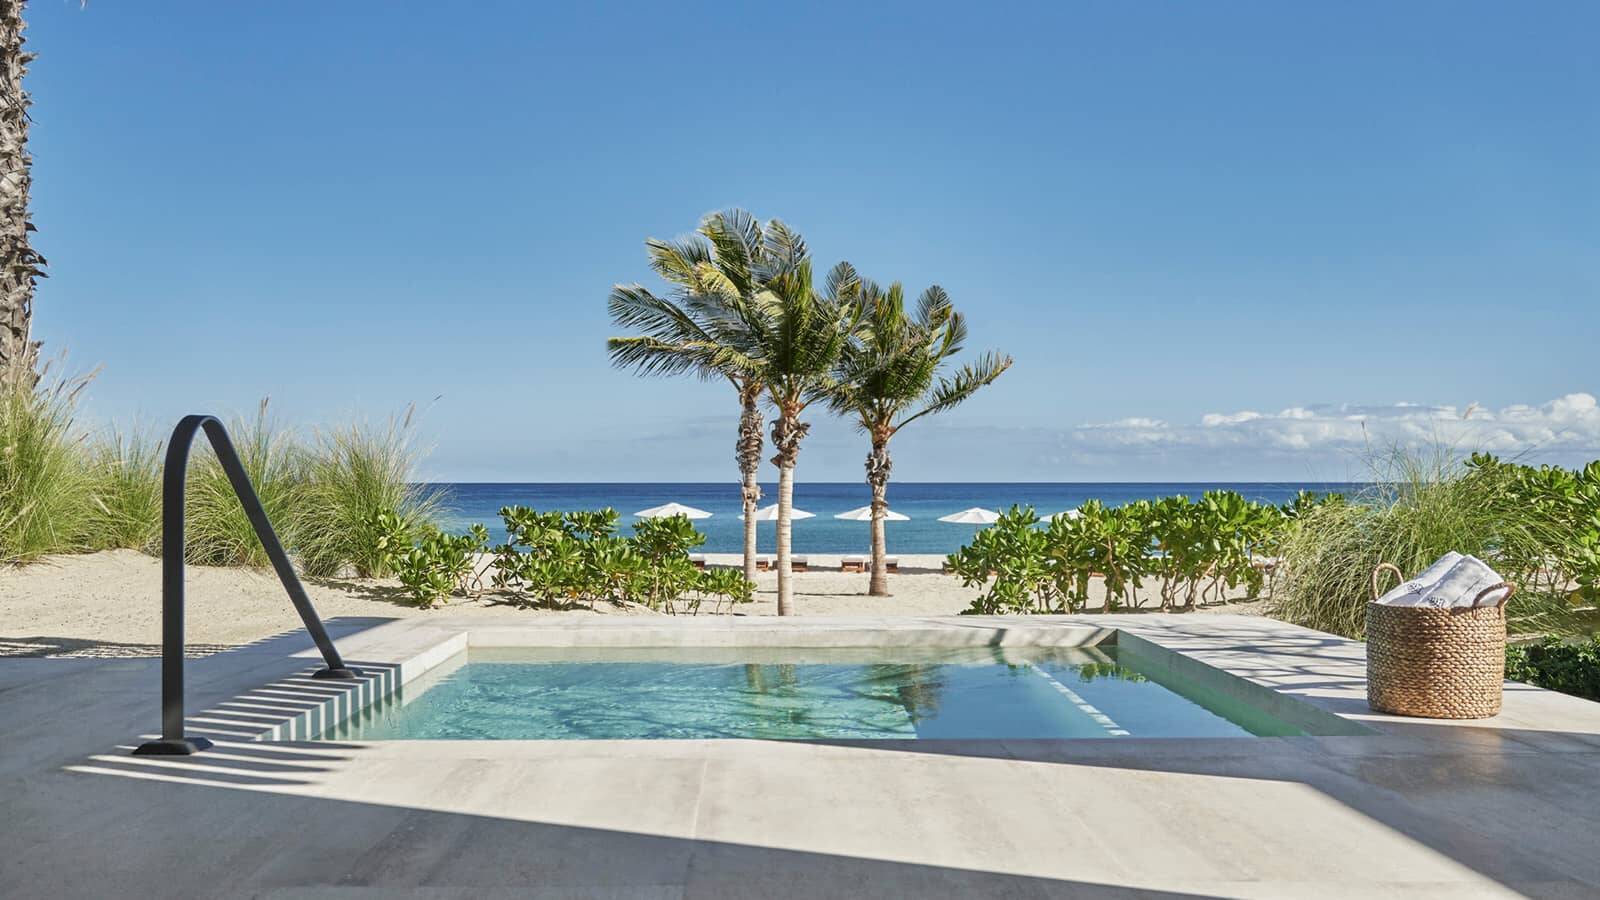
765,562
699,560
863,563
1266,564
799,563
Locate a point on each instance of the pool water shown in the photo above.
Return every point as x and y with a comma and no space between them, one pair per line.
800,694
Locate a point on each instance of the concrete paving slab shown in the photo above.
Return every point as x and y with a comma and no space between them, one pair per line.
1397,807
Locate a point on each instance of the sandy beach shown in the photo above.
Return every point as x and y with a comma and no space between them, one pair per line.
109,604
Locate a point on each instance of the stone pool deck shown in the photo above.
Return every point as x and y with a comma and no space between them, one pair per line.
1392,807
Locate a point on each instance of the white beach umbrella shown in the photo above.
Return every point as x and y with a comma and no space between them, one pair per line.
976,515
667,510
770,514
1069,514
864,514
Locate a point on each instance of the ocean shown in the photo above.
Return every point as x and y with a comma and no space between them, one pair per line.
467,503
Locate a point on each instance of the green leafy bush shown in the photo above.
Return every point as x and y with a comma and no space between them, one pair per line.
1568,667
562,560
440,564
1194,551
1562,508
1012,559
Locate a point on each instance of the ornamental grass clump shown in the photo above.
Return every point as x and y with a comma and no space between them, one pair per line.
218,533
126,472
45,479
358,500
1423,505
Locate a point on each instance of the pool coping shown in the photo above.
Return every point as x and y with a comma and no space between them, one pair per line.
1312,680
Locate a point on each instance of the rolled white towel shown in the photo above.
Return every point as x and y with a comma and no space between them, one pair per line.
1462,585
1410,591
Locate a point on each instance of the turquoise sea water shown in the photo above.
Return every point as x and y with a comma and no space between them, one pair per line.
923,502
800,694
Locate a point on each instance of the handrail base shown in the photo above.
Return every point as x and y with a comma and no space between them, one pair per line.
180,747
341,673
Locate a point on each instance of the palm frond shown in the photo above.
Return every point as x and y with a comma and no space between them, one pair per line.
736,242
676,261
842,283
957,389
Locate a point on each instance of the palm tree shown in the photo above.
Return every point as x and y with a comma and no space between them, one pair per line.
890,376
747,310
795,338
711,273
19,264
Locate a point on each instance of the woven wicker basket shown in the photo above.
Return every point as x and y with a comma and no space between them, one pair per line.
1436,663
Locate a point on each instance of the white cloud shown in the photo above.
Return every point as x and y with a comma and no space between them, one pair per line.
1566,425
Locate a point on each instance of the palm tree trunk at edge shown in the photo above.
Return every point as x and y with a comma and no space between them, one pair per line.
878,466
879,586
752,495
748,453
785,573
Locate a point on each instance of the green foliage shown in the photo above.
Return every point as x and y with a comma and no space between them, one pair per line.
440,564
1557,503
1013,558
357,499
561,560
1569,667
1195,551
663,545
45,478
1522,521
126,469
218,532
721,586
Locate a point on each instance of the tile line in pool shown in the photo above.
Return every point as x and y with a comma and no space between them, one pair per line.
1087,708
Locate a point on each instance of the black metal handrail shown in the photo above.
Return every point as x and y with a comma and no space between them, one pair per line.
173,742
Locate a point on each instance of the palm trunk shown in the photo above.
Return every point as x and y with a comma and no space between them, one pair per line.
878,466
785,572
786,434
19,264
749,456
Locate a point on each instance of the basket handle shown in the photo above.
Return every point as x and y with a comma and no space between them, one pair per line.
1386,567
1509,589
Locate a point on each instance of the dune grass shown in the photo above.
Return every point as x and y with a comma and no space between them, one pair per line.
352,476
125,468
45,483
218,532
333,499
1424,504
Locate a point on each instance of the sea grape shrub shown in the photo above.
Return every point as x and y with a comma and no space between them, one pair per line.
1568,667
1012,559
722,585
389,536
668,574
440,564
1195,551
1563,507
564,559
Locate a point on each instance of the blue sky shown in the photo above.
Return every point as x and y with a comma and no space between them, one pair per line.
1226,240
